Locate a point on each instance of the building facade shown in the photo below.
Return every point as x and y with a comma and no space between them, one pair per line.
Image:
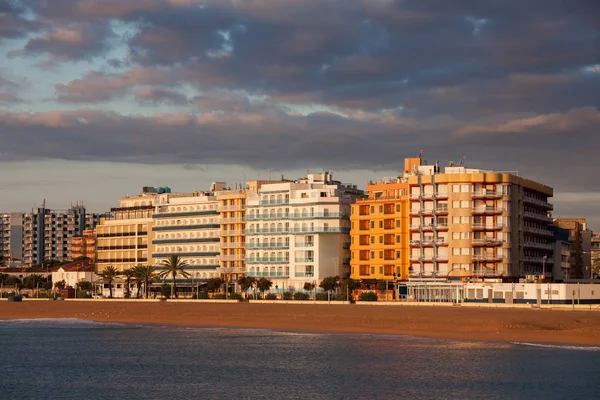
122,239
232,210
188,225
379,234
580,238
84,245
298,232
43,234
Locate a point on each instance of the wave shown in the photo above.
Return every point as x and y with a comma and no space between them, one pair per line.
558,346
59,322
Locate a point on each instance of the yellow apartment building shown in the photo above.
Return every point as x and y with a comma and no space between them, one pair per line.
84,245
379,233
232,209
122,238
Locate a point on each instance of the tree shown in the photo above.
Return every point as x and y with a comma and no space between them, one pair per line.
108,275
246,283
34,281
84,285
174,265
330,283
264,284
60,285
145,274
214,284
128,274
309,286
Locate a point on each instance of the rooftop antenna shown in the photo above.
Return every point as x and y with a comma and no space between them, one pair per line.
270,170
462,160
420,154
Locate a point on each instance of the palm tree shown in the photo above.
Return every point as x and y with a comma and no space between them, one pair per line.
174,266
109,274
144,274
128,274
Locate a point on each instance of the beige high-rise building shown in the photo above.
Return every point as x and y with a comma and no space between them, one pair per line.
123,238
474,223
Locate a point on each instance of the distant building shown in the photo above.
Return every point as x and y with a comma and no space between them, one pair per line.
43,234
580,238
74,273
84,245
562,254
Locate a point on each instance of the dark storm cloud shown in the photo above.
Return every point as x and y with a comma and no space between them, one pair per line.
13,23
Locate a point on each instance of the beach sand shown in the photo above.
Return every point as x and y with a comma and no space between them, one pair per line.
511,325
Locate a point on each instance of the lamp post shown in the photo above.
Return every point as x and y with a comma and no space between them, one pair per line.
544,267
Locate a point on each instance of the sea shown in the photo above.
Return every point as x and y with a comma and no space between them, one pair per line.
75,359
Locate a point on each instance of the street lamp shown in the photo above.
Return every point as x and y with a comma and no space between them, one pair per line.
544,267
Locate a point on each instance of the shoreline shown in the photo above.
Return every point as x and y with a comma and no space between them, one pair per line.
471,324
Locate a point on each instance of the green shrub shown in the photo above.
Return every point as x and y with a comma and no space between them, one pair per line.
288,296
219,296
341,297
322,297
271,296
235,296
300,296
201,296
368,296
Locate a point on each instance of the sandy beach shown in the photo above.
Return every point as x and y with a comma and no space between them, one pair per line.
520,325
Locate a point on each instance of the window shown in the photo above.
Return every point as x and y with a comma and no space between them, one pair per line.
380,270
397,207
455,251
372,209
381,224
380,239
372,254
398,254
465,251
465,188
372,239
455,235
398,239
381,254
466,235
455,188
372,270
372,224
381,208
465,220
456,204
456,220
465,204
397,223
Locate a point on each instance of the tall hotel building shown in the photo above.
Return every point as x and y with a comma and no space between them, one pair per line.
187,225
471,223
298,232
122,238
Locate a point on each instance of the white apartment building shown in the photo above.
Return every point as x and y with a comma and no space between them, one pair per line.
480,224
298,232
188,225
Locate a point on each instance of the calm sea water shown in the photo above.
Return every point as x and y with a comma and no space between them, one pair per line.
70,359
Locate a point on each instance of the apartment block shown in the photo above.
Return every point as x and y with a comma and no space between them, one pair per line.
122,239
43,234
84,245
580,238
379,234
188,225
299,231
232,210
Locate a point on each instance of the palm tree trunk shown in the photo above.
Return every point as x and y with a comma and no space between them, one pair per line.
173,288
110,289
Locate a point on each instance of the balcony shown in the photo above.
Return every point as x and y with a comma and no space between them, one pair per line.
281,202
426,211
441,195
305,260
278,245
231,232
238,220
232,257
487,242
267,231
415,257
534,245
414,212
320,216
304,244
267,274
538,231
441,226
537,217
537,202
487,258
426,196
441,210
415,227
538,260
232,245
262,217
487,194
427,227
319,229
237,207
487,210
304,274
486,227
415,196
441,242
267,260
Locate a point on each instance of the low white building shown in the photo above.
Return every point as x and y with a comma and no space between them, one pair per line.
72,273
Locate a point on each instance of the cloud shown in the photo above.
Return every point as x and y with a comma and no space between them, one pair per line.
13,23
156,96
75,41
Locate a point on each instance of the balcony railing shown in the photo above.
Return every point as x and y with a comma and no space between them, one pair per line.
537,202
487,227
274,202
538,217
266,274
304,244
304,274
267,260
232,245
267,231
278,245
305,260
487,210
487,194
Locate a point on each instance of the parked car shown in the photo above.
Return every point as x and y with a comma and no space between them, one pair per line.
97,296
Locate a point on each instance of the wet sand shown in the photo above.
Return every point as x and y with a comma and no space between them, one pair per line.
512,325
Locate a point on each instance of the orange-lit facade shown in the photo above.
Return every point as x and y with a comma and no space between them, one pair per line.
84,245
380,233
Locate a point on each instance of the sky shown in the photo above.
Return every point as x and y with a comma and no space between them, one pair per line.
101,97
